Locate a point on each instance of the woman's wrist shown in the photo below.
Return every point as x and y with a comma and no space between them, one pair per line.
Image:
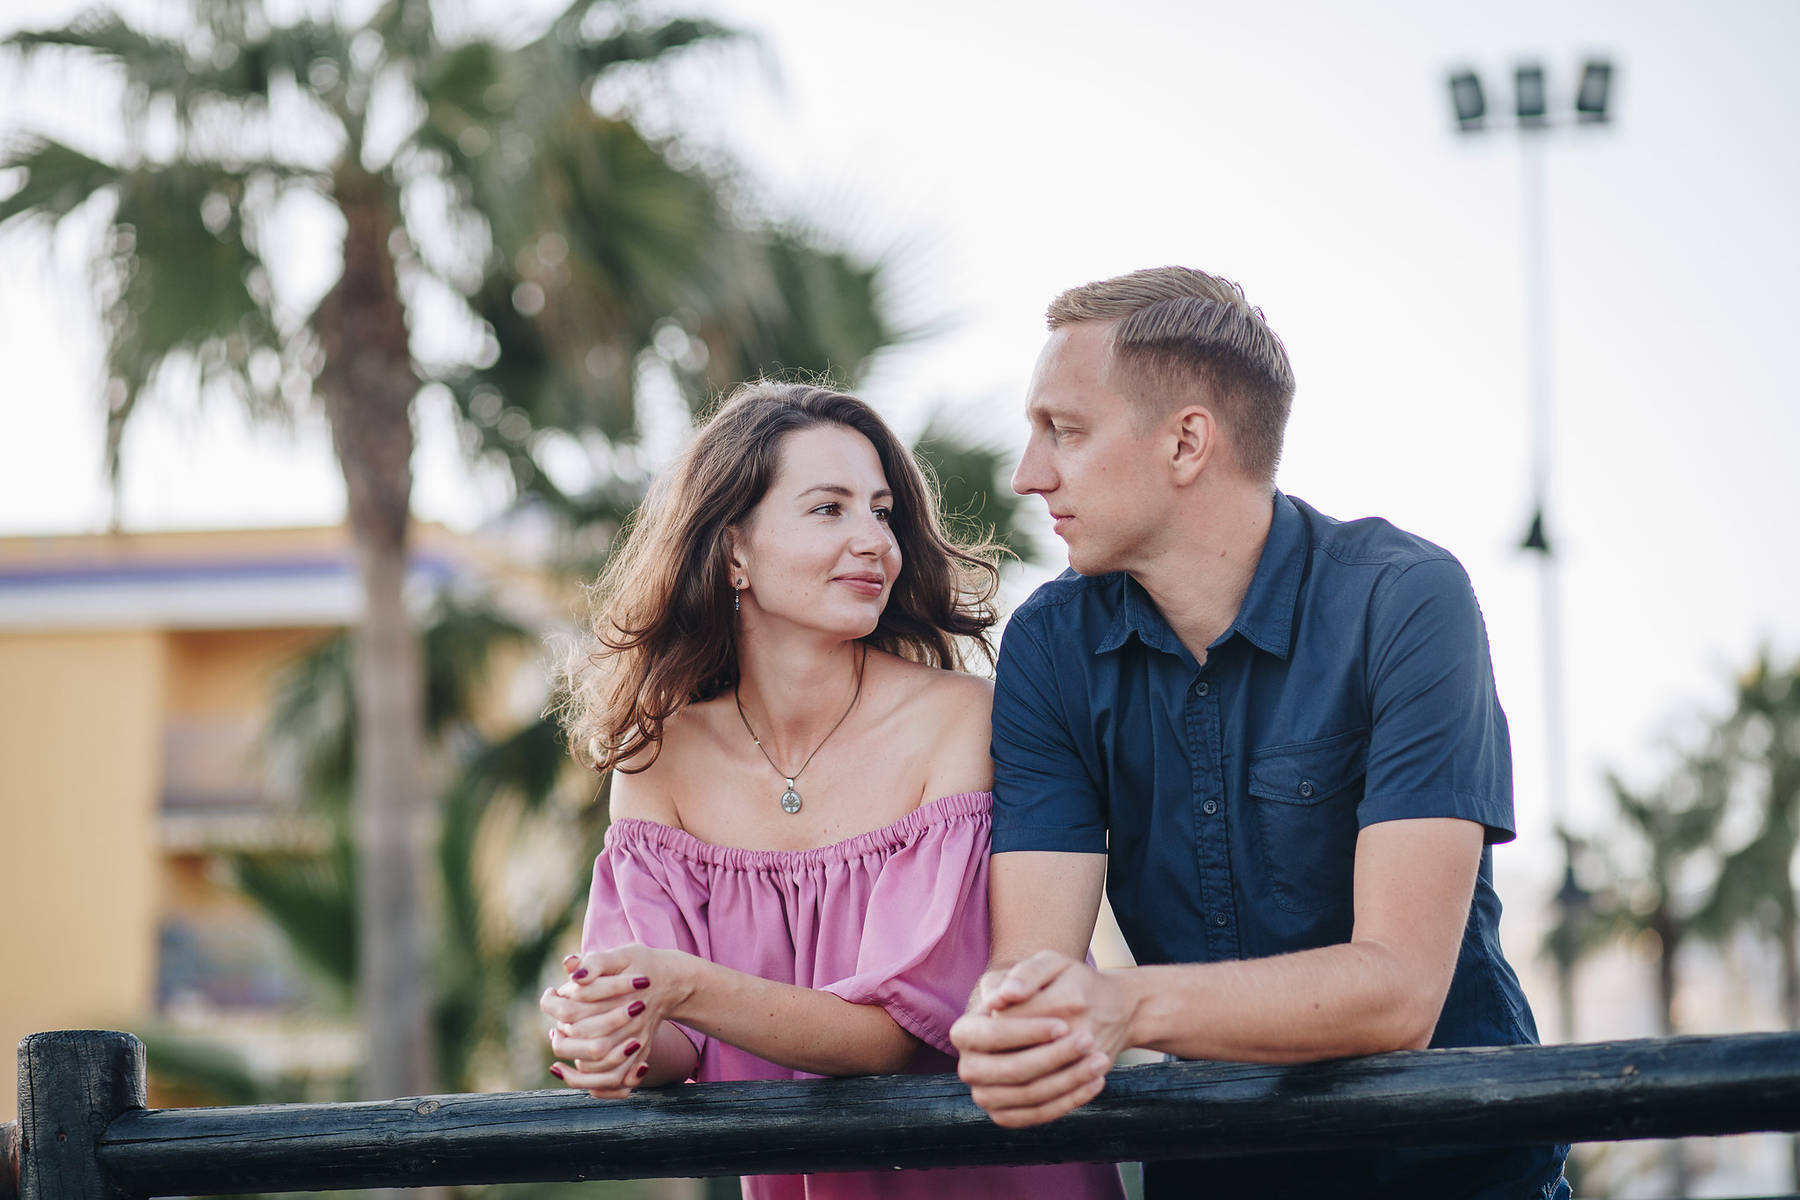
678,975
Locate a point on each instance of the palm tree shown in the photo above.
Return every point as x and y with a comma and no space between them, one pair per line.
1668,830
1673,827
1756,755
475,170
503,798
1748,765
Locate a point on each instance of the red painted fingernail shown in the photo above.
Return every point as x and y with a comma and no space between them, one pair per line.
632,1048
643,1070
637,1006
641,982
581,975
556,1070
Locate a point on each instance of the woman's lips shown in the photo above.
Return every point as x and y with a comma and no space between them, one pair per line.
867,585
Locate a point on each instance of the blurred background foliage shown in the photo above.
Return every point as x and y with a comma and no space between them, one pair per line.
591,268
1706,854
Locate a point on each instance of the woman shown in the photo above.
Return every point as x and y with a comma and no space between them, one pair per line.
794,882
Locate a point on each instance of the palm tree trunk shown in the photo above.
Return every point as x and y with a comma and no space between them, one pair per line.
368,385
1788,935
1680,1178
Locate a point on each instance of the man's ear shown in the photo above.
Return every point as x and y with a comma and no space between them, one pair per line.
1196,442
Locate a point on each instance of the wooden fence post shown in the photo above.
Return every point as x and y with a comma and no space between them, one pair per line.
72,1083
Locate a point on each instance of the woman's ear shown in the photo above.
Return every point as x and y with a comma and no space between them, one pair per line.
737,562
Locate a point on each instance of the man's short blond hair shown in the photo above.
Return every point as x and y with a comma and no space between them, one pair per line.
1180,334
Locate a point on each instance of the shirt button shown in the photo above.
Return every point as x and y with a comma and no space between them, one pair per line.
1221,920
1306,787
1201,688
1210,807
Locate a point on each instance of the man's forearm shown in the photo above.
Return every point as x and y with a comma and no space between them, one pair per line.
1333,1002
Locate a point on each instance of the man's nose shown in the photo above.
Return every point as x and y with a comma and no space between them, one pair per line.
1028,477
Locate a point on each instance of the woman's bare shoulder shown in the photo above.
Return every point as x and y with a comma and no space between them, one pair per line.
962,691
646,786
949,712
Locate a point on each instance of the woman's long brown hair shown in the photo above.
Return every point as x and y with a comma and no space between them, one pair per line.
663,635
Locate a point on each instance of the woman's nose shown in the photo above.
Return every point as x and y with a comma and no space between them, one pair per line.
873,537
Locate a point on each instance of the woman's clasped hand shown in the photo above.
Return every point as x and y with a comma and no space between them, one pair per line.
607,1014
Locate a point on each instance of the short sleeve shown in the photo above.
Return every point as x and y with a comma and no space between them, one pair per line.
1044,796
640,896
924,940
1438,742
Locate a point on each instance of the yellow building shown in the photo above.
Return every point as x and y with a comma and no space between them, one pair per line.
135,672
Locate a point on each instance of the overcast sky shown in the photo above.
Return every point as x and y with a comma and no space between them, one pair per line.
1307,151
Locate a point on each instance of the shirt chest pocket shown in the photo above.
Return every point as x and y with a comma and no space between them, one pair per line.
1304,798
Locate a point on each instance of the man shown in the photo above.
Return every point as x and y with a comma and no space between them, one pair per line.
1279,730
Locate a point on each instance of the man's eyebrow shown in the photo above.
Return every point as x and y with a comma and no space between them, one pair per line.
838,489
1049,411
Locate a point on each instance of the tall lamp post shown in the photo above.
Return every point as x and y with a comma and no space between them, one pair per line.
1532,120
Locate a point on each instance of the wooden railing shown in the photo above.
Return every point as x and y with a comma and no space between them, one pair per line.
83,1132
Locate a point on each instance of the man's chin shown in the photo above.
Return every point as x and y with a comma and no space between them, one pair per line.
1087,563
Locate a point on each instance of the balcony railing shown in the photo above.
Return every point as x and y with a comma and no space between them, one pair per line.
84,1133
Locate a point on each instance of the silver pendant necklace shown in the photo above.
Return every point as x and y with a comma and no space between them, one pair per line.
790,799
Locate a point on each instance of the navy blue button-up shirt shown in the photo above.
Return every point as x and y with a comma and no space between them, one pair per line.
1353,687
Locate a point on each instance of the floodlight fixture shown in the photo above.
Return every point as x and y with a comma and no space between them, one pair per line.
1530,104
1595,90
1471,105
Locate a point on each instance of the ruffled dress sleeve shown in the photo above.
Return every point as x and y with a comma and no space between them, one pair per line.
643,897
923,940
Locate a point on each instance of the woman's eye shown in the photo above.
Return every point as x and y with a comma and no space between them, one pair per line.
884,515
828,510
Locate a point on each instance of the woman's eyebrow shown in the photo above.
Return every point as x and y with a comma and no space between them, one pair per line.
838,489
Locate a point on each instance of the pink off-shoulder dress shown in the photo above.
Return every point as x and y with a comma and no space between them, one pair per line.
896,917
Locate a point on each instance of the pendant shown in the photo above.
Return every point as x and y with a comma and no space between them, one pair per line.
790,800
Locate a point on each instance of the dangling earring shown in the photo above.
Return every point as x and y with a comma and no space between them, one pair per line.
737,599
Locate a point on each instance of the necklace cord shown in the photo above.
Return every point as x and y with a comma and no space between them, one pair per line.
861,665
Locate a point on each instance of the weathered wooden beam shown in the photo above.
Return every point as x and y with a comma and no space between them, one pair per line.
72,1085
1676,1087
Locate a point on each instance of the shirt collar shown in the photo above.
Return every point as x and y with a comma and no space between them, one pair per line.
1266,617
1138,614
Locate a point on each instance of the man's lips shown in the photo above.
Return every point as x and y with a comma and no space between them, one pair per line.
867,585
1061,521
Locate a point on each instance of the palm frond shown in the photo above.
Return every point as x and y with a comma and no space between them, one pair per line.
407,28
645,43
183,278
312,722
973,492
460,638
311,899
529,762
58,179
228,68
